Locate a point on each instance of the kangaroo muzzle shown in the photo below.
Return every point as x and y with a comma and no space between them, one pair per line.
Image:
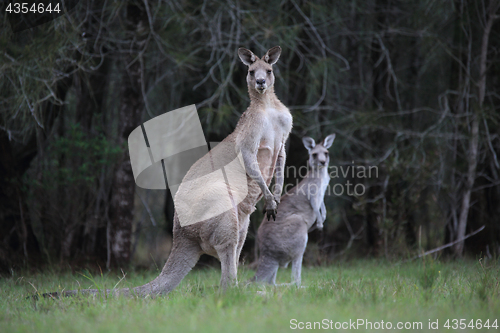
260,85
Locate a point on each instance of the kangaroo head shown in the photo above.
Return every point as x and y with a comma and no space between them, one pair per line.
318,153
260,70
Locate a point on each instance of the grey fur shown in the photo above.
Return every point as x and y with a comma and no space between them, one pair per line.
284,240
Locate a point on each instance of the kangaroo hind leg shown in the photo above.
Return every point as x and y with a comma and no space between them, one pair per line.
266,272
297,269
182,258
228,262
242,235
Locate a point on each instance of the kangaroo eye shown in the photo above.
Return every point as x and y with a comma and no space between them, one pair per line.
251,73
269,71
326,153
315,155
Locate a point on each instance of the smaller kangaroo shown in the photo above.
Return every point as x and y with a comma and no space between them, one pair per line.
285,239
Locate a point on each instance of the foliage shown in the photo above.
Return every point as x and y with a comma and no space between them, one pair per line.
92,153
397,81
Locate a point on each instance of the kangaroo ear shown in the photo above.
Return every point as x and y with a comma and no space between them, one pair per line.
327,143
246,56
308,143
272,55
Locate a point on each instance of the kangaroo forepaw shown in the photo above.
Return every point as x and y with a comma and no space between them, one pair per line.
271,209
271,213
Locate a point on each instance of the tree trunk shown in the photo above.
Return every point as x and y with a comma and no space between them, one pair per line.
123,189
474,140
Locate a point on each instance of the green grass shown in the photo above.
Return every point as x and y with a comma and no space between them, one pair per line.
368,290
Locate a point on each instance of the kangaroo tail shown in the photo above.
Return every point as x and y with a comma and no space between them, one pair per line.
182,258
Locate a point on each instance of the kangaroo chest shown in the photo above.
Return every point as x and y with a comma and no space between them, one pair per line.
275,132
315,187
324,184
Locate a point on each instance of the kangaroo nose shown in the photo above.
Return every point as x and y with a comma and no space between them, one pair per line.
260,81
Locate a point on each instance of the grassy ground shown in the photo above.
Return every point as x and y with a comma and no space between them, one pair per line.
344,294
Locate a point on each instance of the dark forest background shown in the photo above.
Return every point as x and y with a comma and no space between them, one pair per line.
411,87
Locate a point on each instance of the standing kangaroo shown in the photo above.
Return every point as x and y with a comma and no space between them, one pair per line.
259,141
285,239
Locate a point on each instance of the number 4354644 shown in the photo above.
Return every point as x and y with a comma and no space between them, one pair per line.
473,324
38,8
